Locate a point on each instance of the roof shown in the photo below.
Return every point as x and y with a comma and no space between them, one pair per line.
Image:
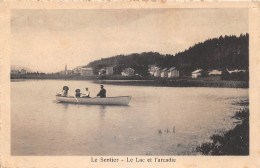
87,69
129,68
165,69
236,70
197,71
172,68
216,72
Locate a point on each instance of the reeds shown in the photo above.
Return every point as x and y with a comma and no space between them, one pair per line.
232,142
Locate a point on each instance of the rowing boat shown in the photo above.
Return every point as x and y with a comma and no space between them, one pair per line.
121,100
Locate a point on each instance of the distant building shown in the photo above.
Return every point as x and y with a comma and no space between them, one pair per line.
197,73
77,70
109,70
164,73
236,71
66,71
157,72
69,72
128,72
151,69
215,72
86,72
154,70
173,73
15,72
23,71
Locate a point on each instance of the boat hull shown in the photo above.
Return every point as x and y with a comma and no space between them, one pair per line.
122,100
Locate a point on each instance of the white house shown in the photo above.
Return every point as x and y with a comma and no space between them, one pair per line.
152,69
128,72
215,72
196,73
164,73
236,71
109,70
86,72
157,72
173,73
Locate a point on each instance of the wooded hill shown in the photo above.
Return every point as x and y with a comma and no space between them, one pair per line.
218,53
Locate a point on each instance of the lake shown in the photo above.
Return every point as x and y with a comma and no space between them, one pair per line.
158,120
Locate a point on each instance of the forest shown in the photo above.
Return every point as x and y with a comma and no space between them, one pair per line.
228,52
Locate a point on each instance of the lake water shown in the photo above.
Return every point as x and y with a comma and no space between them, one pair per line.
158,120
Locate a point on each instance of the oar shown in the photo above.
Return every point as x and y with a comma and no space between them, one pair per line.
76,99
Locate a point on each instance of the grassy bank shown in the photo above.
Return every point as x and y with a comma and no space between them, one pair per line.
232,142
179,83
144,81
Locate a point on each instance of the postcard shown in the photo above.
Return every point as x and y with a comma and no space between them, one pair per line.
129,84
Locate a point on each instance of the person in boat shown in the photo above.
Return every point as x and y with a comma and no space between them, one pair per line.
102,92
77,93
86,94
65,90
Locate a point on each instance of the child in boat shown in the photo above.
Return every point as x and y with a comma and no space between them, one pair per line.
86,94
77,93
65,91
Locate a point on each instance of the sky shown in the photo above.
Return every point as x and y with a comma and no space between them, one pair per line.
47,40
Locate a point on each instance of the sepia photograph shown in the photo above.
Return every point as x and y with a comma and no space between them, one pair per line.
129,84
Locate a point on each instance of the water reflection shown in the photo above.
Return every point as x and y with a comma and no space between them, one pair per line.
102,111
169,123
64,106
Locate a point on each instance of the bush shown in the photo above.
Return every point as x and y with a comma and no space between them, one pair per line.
233,142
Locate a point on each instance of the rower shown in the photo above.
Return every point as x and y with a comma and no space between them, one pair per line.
86,94
102,92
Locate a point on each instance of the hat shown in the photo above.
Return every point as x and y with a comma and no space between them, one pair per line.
65,88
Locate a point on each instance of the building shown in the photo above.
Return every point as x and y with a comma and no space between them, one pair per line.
152,69
173,73
157,72
66,71
128,72
69,72
15,72
109,70
23,71
164,73
86,72
215,72
197,73
77,70
236,71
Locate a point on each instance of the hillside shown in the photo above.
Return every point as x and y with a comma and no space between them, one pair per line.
217,53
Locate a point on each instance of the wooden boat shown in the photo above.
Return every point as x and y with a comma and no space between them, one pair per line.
121,100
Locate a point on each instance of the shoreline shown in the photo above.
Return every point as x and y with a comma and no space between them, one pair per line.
231,142
177,83
215,82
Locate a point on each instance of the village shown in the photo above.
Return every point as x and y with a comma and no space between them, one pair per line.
153,71
156,76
